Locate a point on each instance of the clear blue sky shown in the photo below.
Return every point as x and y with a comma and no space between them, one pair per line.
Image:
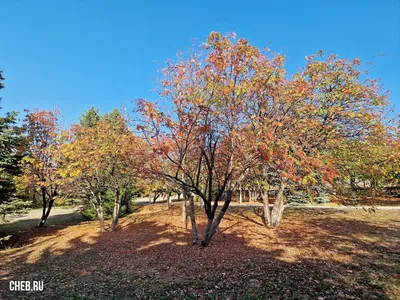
78,53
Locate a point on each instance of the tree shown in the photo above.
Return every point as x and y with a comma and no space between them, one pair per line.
10,156
235,112
90,118
103,158
297,122
42,159
114,117
199,140
371,160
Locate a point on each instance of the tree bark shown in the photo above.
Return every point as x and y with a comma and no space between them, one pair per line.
46,209
277,210
267,211
209,233
184,212
207,230
100,217
155,197
168,200
193,219
117,210
41,223
97,203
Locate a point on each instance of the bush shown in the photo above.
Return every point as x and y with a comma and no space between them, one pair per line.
298,198
89,212
318,195
13,206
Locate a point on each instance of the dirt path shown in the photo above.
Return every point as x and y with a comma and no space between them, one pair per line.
37,213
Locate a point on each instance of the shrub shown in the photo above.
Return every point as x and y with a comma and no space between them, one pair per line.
127,207
317,194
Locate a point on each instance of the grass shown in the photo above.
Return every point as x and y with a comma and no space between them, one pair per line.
315,254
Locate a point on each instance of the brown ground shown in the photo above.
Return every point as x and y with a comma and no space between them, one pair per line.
315,254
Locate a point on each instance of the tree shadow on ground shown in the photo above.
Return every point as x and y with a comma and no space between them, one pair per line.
25,230
148,258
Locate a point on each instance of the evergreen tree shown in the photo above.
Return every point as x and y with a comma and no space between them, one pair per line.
114,117
90,118
10,141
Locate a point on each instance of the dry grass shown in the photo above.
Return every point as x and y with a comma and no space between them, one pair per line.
315,253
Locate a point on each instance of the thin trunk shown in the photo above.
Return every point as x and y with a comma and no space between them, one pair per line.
228,197
192,213
267,212
213,228
42,219
309,194
277,210
184,212
97,203
155,197
374,187
51,201
46,209
240,195
117,210
100,217
193,220
210,220
168,200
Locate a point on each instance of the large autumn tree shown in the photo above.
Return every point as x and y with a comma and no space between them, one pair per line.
199,139
235,115
296,122
101,158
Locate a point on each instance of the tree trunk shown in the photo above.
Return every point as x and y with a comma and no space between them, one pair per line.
240,195
277,210
193,219
100,217
117,210
155,197
267,212
45,213
97,203
168,200
41,223
214,226
184,212
374,186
